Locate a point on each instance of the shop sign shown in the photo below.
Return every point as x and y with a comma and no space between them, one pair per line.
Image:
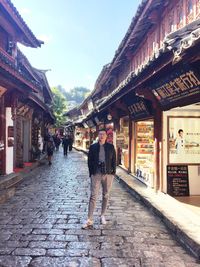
97,121
179,85
90,105
139,109
85,125
2,91
90,123
177,180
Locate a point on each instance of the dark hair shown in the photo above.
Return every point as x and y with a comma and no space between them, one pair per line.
103,130
180,130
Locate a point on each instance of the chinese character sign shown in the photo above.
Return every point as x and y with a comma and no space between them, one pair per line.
177,87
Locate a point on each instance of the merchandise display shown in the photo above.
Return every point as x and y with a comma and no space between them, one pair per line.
122,141
145,151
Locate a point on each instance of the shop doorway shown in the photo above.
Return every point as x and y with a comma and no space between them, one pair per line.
122,143
144,151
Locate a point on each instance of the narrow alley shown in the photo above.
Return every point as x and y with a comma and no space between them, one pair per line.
41,225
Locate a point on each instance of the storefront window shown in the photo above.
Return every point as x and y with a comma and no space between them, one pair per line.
122,143
82,137
144,151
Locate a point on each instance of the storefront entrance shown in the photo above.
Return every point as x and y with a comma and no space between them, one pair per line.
144,151
122,143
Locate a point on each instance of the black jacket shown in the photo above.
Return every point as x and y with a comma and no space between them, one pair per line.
110,158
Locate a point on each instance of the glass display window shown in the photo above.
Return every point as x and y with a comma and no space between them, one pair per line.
144,164
122,143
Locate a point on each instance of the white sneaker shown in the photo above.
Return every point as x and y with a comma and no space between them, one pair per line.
103,220
88,224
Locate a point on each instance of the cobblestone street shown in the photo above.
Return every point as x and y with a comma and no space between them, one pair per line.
41,225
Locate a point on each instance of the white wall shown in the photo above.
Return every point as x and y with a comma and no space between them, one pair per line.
194,170
9,150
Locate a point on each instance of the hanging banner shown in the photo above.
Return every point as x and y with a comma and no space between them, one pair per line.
177,86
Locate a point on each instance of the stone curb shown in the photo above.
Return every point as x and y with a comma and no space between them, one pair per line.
9,183
186,241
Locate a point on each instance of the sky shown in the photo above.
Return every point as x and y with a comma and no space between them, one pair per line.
80,36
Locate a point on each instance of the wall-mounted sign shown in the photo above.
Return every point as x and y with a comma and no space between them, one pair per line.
177,86
2,91
85,125
90,123
139,108
90,105
177,180
97,121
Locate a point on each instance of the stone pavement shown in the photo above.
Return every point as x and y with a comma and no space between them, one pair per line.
41,224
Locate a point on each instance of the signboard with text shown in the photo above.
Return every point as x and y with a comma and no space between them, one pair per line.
90,123
177,86
177,180
139,108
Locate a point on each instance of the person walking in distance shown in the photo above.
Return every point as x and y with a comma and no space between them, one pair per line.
65,144
102,168
50,149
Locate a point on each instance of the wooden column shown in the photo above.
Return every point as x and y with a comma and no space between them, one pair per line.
157,141
2,136
130,130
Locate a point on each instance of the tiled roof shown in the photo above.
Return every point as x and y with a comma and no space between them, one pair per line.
30,39
177,42
180,40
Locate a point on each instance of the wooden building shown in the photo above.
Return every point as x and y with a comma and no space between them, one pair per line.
151,92
23,90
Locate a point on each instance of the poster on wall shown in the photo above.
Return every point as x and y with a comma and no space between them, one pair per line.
177,180
184,140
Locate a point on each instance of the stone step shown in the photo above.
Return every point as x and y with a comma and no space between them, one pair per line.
10,180
6,194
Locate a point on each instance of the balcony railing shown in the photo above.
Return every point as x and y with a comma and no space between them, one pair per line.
12,64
